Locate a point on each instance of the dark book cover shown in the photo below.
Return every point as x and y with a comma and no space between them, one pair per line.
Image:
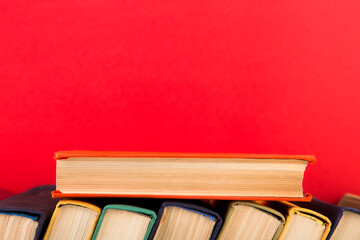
193,207
35,202
333,212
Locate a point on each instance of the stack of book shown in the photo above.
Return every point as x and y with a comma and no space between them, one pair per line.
139,195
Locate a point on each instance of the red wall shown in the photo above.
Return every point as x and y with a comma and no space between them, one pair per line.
190,76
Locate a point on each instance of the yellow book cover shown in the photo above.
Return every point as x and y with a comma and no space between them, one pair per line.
89,212
301,221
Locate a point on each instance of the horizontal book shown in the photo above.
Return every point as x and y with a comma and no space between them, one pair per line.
350,200
345,220
181,175
118,221
185,221
25,216
251,221
73,220
301,223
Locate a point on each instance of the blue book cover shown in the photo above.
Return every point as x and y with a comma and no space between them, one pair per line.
36,204
193,208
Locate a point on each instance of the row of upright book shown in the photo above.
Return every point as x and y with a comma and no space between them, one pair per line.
127,195
35,215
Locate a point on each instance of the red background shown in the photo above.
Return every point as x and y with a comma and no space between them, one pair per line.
188,76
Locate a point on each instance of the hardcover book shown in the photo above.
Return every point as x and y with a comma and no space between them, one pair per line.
301,223
119,221
350,200
73,220
181,175
251,221
26,215
186,221
345,220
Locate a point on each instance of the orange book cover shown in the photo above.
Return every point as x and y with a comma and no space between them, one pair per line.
63,155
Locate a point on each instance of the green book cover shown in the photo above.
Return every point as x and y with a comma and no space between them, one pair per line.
129,208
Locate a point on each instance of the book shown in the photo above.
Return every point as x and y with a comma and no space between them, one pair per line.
73,220
345,220
186,221
301,223
181,175
26,215
350,200
119,221
251,221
